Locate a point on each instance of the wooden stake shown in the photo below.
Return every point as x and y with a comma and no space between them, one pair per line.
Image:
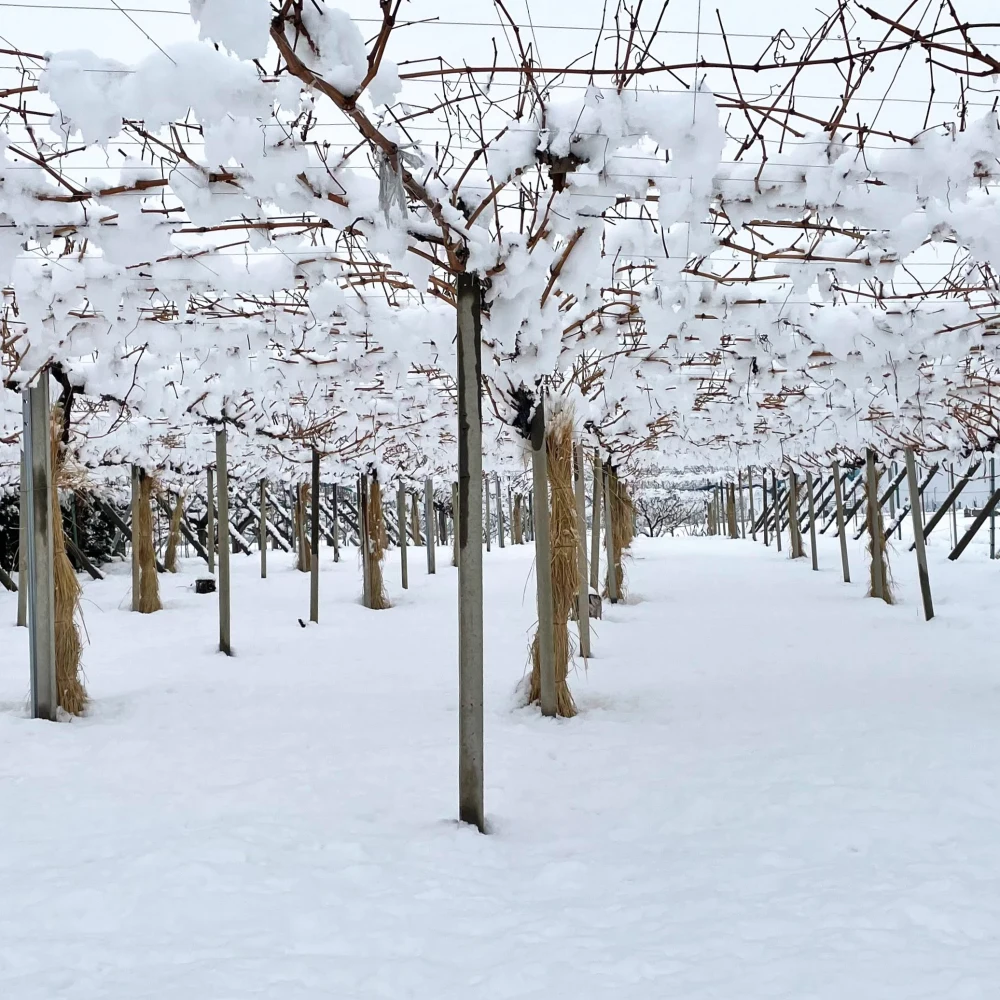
583,598
401,517
225,638
918,535
543,562
471,807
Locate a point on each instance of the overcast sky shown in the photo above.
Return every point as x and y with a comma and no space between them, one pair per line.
560,30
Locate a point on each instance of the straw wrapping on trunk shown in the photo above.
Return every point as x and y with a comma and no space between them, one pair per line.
72,696
564,540
623,531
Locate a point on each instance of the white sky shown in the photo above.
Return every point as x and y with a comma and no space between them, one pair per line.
467,31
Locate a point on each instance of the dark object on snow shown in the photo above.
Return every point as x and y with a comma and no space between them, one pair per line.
302,623
206,585
595,608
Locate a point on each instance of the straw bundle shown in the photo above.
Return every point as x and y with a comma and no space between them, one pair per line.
142,541
418,538
564,539
303,550
174,536
378,542
623,528
72,696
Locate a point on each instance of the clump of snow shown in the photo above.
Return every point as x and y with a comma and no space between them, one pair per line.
95,94
335,49
242,26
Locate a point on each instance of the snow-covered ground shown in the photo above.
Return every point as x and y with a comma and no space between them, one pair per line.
775,789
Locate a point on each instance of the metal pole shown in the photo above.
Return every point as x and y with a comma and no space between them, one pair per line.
209,521
499,511
455,520
41,579
993,520
430,529
363,544
136,476
401,517
763,501
488,527
263,529
470,551
609,535
595,525
583,598
22,547
841,528
918,535
314,540
742,506
777,509
953,523
334,498
954,512
812,521
222,468
543,561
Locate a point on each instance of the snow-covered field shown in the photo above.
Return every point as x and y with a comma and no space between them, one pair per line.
775,789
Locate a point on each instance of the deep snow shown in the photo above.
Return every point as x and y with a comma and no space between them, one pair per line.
776,789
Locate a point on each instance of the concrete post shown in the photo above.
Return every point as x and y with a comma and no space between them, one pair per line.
583,598
41,578
401,517
222,469
469,527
